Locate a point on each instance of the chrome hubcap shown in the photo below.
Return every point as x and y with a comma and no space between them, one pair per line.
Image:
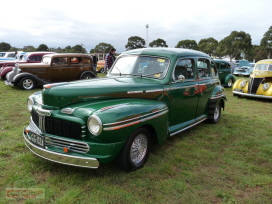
138,149
28,84
229,83
216,112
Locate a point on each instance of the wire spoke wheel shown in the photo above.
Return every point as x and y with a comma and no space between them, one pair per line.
138,149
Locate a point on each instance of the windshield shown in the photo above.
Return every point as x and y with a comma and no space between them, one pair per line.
155,67
263,67
24,58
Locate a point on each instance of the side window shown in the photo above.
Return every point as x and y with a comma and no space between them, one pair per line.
213,69
39,58
75,60
60,61
223,65
86,60
31,58
184,67
203,66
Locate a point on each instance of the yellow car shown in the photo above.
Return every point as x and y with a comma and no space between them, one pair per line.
259,84
100,66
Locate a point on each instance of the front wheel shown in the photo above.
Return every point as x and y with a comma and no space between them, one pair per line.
27,83
230,83
135,152
215,113
87,76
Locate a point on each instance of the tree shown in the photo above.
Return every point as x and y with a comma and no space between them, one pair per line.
266,42
78,49
236,43
4,46
101,48
42,47
158,43
189,44
208,46
29,48
135,42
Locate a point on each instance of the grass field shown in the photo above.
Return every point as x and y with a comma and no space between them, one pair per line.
230,162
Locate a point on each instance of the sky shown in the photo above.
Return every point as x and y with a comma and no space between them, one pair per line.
59,23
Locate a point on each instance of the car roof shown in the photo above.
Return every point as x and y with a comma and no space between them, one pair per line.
165,52
220,60
66,55
266,61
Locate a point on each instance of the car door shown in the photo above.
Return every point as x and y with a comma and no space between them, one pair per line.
207,80
182,95
76,67
59,69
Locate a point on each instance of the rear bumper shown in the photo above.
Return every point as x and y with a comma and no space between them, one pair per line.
61,158
251,95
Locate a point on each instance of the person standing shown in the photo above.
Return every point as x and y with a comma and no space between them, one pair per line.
95,59
109,59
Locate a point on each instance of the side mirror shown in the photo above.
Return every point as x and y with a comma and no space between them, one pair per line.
181,78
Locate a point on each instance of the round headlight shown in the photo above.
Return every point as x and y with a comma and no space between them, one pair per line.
94,125
30,104
243,83
266,86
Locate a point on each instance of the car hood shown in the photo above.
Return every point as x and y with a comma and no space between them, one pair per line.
63,94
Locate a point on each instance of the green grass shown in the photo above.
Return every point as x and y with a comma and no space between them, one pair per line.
230,162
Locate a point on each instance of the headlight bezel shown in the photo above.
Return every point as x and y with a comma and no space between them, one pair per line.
266,86
30,104
243,83
96,121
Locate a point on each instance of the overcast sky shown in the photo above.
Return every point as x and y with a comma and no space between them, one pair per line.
61,23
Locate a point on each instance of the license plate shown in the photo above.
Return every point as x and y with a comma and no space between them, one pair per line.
37,139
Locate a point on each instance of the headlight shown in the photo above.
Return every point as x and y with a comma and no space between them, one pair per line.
243,83
30,104
94,125
266,86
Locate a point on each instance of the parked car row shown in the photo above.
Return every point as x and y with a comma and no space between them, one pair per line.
37,69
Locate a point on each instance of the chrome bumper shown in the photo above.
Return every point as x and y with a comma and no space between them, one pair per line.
251,95
61,158
9,83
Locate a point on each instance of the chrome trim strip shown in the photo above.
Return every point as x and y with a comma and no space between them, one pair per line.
155,90
133,92
187,127
252,95
136,117
43,112
135,122
62,158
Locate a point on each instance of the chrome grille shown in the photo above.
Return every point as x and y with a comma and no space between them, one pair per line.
57,127
71,145
254,84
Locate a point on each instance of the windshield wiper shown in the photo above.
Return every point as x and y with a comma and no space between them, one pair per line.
152,74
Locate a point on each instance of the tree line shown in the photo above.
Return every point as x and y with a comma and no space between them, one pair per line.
232,46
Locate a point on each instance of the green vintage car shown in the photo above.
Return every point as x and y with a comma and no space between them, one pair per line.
224,71
148,95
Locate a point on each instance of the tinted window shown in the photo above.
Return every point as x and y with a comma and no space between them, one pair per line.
75,60
184,67
60,60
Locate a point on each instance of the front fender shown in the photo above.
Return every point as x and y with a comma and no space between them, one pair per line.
229,76
120,118
5,70
237,87
19,76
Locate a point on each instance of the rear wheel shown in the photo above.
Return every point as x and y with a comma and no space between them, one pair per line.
87,76
27,83
135,152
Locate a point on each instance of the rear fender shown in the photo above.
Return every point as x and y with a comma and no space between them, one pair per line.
229,76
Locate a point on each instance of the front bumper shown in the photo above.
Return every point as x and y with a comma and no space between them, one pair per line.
251,95
9,83
61,158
